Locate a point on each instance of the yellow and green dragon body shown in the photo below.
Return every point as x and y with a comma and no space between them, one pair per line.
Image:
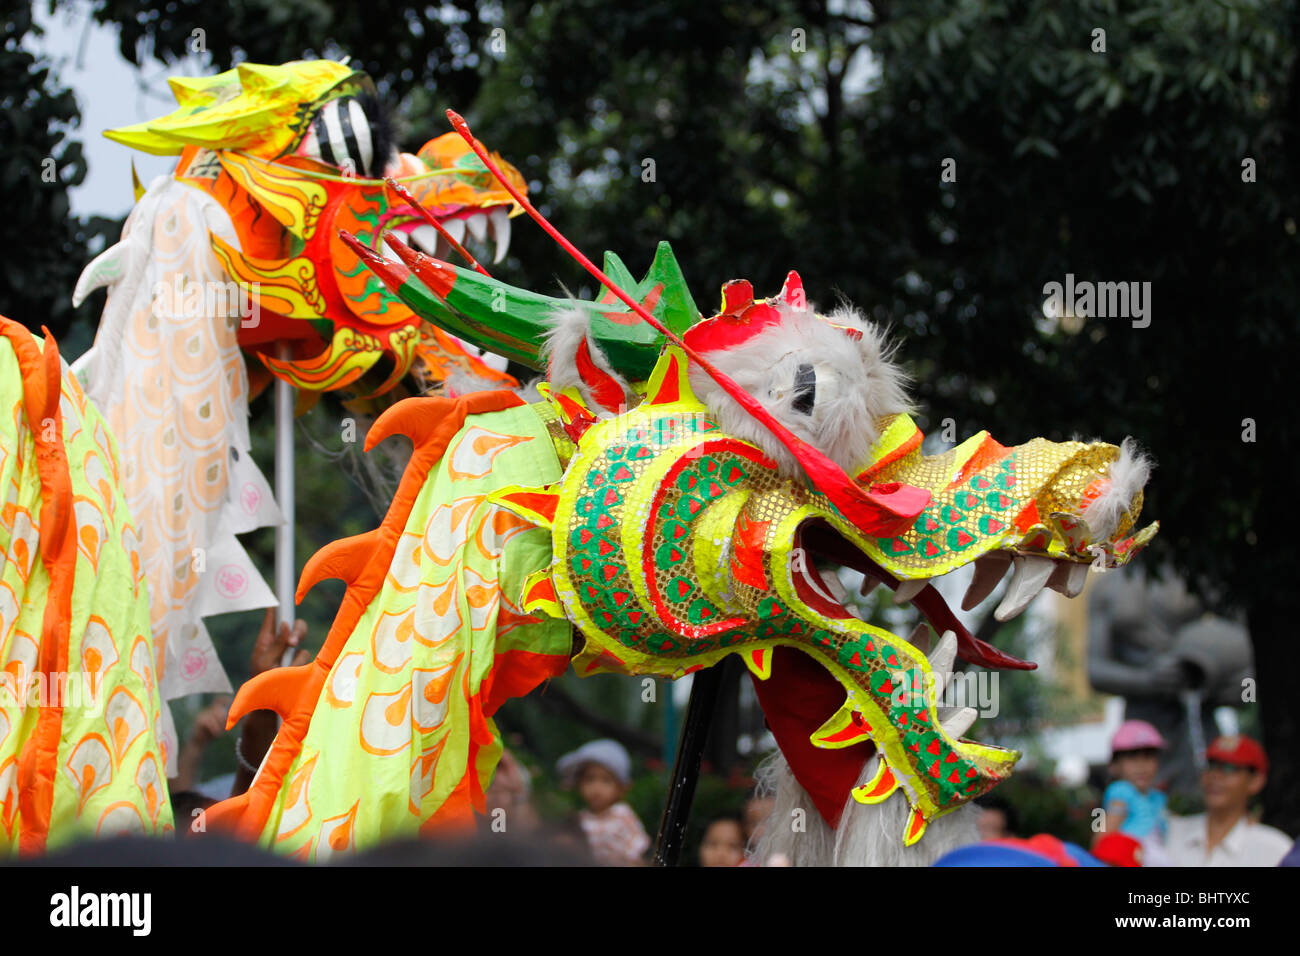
648,541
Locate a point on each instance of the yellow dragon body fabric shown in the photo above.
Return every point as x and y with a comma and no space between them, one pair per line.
79,703
389,732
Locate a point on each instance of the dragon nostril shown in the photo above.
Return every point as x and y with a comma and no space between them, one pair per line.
805,389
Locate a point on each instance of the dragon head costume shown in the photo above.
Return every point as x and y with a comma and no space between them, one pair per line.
675,498
237,253
292,154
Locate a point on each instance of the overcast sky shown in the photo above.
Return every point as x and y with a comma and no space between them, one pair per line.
110,93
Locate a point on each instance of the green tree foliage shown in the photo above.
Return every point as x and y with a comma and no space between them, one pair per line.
41,160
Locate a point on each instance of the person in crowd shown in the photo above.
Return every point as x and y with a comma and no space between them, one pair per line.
754,816
510,799
209,724
997,819
1132,804
601,771
188,806
723,843
1226,834
257,730
188,797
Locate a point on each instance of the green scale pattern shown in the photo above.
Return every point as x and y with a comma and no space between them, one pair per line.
595,542
868,654
699,483
949,526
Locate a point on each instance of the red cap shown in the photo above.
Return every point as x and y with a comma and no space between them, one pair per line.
1240,750
1118,849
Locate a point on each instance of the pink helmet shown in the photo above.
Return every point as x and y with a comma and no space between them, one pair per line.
1136,735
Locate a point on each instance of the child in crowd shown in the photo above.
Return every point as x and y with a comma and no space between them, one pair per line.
754,816
601,772
723,843
1132,803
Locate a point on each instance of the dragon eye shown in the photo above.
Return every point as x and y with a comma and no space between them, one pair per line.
805,389
340,136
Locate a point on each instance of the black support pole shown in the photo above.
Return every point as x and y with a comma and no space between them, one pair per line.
686,770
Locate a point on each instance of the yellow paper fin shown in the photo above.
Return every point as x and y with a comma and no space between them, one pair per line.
846,727
759,661
881,786
539,595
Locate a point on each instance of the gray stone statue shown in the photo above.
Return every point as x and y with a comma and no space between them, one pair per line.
1152,643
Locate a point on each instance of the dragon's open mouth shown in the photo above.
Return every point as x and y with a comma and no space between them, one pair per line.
482,230
819,548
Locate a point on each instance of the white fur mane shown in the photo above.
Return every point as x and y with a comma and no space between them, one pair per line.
857,386
569,326
867,835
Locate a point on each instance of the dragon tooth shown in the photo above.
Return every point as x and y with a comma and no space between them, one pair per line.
920,637
426,239
957,720
455,228
942,660
869,584
907,590
836,587
828,585
945,655
442,250
477,225
1068,578
835,584
500,217
1027,579
1077,578
989,570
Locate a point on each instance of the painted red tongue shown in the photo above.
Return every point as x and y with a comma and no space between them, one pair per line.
797,699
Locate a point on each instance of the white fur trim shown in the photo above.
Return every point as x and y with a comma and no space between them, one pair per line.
857,386
1128,475
867,835
569,326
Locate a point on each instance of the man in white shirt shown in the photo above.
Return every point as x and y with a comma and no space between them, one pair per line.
1224,835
